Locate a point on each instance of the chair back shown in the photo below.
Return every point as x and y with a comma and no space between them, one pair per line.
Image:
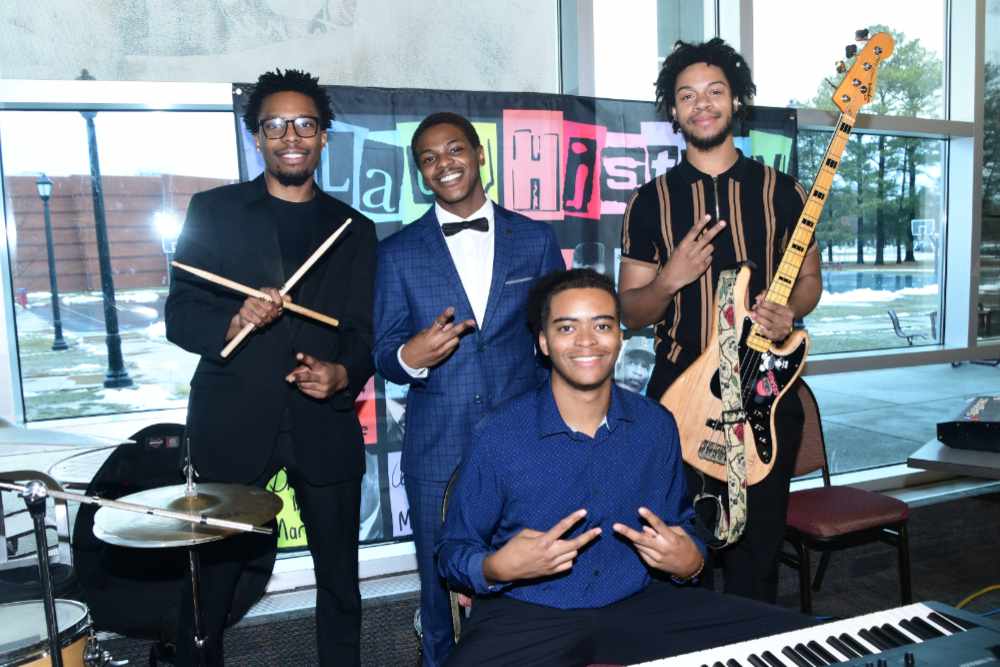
17,527
895,323
812,452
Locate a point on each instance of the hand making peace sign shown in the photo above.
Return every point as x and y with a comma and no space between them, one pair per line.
531,554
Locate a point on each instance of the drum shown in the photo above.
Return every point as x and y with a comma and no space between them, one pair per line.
24,639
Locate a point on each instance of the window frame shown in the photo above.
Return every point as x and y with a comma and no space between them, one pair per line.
24,95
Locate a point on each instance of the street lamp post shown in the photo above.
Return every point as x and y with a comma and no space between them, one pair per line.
44,185
116,376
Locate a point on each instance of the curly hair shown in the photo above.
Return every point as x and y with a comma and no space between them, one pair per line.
291,80
713,52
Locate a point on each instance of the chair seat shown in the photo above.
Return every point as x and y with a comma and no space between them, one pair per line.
831,511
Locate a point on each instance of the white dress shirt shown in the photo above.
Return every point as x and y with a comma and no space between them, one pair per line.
472,253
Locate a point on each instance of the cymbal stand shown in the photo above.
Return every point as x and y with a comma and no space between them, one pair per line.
34,497
194,563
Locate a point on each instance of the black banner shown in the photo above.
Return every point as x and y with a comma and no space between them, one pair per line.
570,161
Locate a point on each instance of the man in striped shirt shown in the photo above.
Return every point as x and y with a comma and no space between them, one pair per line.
716,209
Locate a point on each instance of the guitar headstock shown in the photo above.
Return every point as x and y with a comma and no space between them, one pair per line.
858,86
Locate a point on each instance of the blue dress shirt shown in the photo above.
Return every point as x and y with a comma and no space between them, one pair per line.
527,469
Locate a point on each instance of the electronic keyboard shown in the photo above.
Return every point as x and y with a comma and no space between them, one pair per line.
926,634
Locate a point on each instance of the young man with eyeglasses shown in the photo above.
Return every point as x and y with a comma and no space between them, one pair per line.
285,397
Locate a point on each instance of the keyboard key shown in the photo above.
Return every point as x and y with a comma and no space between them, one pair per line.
944,623
772,659
809,656
818,649
900,638
924,632
790,653
855,645
878,632
844,649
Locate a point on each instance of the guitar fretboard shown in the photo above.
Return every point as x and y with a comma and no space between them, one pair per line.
791,261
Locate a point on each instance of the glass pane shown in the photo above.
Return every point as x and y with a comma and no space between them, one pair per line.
649,28
988,304
880,239
790,66
150,164
876,418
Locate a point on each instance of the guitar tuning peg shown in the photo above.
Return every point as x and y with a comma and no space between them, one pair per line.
841,67
851,50
861,35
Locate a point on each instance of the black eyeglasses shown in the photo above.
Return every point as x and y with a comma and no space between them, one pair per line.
275,128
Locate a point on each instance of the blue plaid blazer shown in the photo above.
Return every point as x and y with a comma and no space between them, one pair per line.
415,280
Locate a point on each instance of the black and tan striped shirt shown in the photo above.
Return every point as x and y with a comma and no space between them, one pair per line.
760,205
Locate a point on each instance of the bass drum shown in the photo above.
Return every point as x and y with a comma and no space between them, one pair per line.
136,592
24,638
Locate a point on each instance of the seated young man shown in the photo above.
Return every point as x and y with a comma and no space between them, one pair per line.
569,519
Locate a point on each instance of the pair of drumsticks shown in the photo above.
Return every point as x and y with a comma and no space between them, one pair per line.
289,284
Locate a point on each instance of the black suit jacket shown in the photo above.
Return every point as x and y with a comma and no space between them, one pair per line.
236,404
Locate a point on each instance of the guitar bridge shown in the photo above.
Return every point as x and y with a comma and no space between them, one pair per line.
712,451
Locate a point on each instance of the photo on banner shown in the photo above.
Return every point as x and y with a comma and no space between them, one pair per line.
572,162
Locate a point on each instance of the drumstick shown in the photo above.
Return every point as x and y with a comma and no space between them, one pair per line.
289,284
249,291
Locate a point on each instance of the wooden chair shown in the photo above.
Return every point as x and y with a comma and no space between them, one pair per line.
830,518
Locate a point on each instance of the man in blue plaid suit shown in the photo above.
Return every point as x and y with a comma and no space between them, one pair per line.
454,330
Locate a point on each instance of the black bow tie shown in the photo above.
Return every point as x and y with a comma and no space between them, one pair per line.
479,225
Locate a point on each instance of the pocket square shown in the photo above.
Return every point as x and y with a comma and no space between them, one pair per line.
514,281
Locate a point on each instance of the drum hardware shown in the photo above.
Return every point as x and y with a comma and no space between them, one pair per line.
181,516
23,643
243,507
34,496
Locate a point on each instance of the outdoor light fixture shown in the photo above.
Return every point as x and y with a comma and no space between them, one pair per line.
44,185
168,226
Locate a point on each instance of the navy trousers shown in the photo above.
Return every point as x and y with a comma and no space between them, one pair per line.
660,621
426,498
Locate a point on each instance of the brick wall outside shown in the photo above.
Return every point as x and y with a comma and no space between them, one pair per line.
130,202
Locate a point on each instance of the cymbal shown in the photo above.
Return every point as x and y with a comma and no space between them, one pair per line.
233,502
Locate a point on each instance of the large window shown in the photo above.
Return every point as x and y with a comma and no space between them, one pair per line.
879,417
988,303
882,233
881,243
791,65
614,49
86,262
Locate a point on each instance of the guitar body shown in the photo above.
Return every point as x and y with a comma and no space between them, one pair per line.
696,402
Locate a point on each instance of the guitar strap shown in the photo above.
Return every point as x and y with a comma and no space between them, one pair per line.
731,520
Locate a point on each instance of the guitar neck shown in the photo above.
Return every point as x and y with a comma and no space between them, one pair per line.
791,261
